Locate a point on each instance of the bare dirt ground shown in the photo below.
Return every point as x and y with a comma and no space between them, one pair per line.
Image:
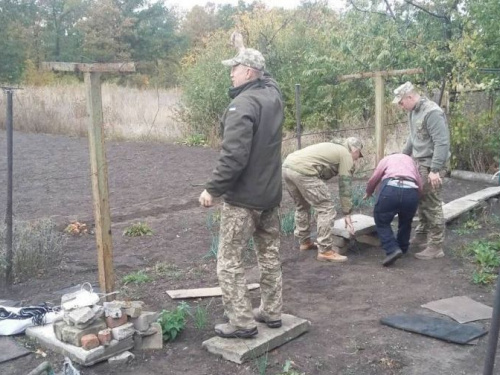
159,184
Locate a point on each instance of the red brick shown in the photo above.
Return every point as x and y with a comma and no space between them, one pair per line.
116,322
104,336
90,342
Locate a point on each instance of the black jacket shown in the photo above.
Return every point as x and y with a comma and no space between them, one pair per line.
248,172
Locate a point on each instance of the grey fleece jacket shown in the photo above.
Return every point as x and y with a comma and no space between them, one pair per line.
429,139
248,172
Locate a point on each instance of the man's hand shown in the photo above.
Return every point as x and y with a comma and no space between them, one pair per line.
366,196
205,199
348,224
434,179
237,41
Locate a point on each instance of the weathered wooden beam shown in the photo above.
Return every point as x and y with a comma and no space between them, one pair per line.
383,73
125,67
99,172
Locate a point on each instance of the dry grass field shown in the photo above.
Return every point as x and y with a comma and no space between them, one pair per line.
129,113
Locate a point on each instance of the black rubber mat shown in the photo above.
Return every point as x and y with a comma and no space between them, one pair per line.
435,327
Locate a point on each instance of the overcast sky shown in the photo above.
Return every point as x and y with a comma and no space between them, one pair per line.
188,4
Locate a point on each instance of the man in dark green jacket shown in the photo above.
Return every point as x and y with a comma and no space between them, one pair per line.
248,177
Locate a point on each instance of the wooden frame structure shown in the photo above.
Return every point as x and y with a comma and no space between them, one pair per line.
98,163
379,100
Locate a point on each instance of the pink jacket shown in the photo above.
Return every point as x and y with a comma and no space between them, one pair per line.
395,165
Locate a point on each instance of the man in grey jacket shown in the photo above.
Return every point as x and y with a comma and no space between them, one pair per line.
248,176
429,144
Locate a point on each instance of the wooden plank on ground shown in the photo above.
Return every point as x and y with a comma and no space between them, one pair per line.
201,292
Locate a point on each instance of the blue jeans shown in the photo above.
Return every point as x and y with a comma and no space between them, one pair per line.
391,201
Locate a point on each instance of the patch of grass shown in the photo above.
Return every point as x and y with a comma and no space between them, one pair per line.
287,221
261,363
138,230
486,256
358,192
214,247
200,316
195,140
288,369
468,227
139,277
36,247
169,270
173,322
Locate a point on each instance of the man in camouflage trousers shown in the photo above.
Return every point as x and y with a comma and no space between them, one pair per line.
429,144
248,176
305,172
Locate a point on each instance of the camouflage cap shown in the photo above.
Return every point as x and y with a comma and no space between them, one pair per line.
353,142
401,91
249,57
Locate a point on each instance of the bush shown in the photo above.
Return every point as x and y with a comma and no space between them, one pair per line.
36,246
138,230
173,322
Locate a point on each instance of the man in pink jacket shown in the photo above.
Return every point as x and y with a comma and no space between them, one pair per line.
399,188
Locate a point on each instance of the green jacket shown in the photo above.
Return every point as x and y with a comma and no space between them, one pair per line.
429,139
248,172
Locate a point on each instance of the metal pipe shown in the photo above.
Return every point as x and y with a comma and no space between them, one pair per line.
298,115
8,217
489,362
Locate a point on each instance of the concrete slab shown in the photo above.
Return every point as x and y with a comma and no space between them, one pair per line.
46,337
241,350
10,349
483,195
461,308
369,239
363,224
455,208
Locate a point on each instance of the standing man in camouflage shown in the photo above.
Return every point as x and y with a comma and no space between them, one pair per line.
305,172
248,176
429,144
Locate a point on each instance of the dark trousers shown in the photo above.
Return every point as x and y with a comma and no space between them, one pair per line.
391,201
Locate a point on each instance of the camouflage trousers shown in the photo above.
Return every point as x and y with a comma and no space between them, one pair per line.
430,210
238,226
307,192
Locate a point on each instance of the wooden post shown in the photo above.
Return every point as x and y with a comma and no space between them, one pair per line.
98,164
379,101
99,173
379,118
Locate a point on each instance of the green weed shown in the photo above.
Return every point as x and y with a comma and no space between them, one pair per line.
358,192
200,316
289,370
139,277
468,227
287,220
195,140
167,270
137,230
486,255
173,322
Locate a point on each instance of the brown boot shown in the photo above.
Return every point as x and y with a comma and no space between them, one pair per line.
308,245
430,252
419,241
331,256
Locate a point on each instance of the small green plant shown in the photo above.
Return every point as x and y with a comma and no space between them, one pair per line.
200,316
262,363
485,255
173,322
214,247
167,270
137,230
289,370
358,192
139,277
468,227
195,140
287,222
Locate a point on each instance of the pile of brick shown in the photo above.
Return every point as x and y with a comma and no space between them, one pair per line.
117,324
